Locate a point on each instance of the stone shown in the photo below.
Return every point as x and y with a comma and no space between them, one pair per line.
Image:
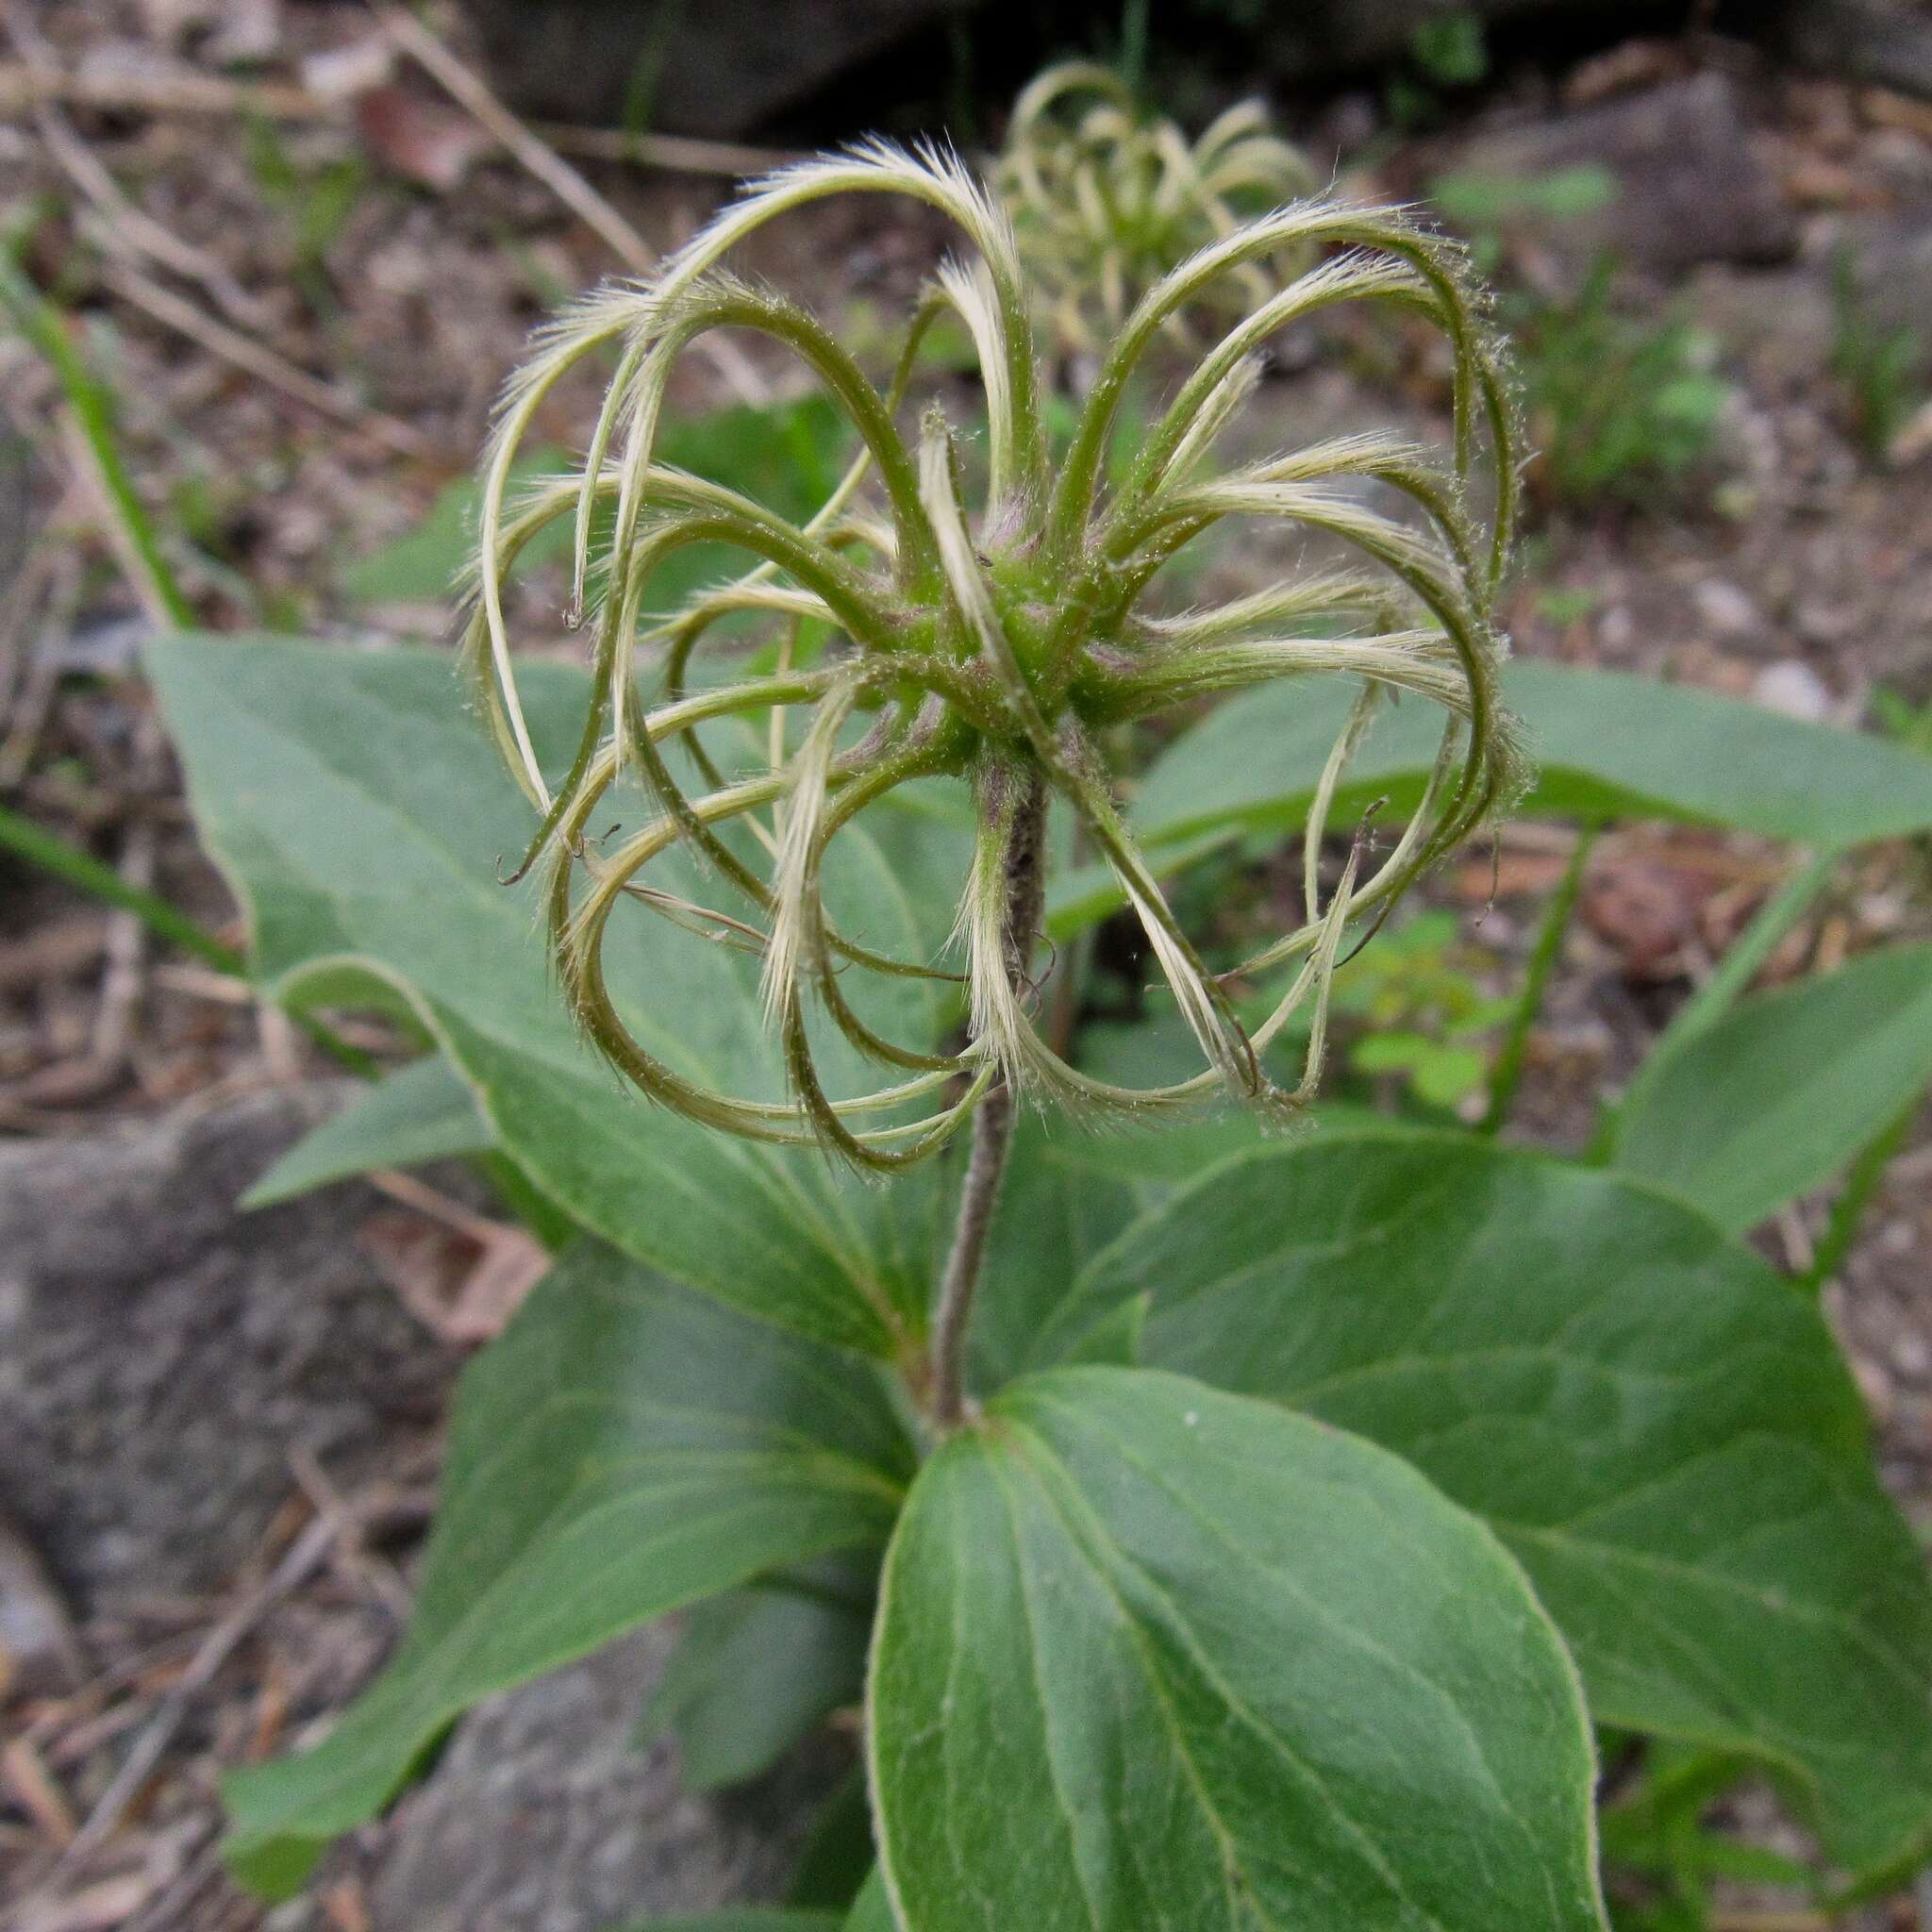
161,1355
546,1815
38,1649
1725,610
1883,43
1792,687
1890,259
1322,37
716,70
1691,187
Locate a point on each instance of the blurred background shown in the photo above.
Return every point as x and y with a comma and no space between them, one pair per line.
292,248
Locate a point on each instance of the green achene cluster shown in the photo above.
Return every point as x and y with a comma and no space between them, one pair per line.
1107,197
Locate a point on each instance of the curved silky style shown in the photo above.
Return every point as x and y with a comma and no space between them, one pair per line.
997,643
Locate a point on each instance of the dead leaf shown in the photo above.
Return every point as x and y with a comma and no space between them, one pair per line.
94,1909
59,950
345,1908
1625,68
1647,909
1514,875
461,1282
420,139
1915,438
339,74
36,1792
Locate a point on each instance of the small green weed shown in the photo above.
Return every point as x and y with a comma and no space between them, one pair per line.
1880,370
1477,200
1900,719
1419,997
1488,207
1445,53
1567,604
1623,408
1450,49
314,201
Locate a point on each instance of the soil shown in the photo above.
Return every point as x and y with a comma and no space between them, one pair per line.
387,253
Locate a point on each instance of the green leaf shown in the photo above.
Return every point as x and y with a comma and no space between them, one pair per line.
1606,744
422,565
1473,198
1777,1096
343,792
1151,1163
1153,1655
1747,1864
757,1670
745,1919
1441,1074
872,1911
626,1447
422,1112
838,1856
1115,1340
1658,1425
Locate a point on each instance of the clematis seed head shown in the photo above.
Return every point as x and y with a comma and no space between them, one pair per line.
991,624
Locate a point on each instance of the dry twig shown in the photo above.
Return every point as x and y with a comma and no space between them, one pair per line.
352,1553
124,981
298,1562
130,231
34,1788
557,174
167,1909
25,86
485,1290
257,360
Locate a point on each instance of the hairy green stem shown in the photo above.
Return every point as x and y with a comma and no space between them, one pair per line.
992,1126
1529,1004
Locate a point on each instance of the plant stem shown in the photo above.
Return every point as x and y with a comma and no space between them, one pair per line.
992,1126
1722,991
1133,43
54,855
1753,947
1861,1183
43,325
1542,963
